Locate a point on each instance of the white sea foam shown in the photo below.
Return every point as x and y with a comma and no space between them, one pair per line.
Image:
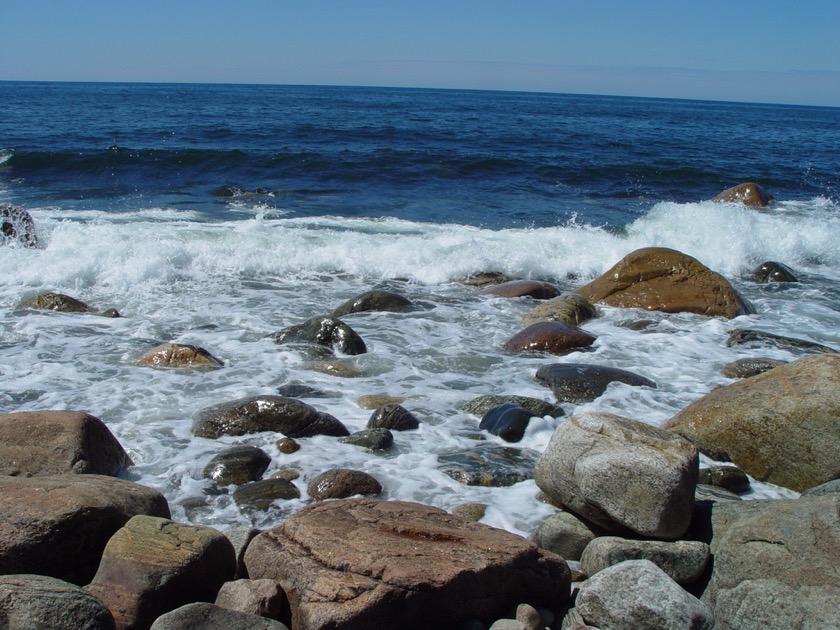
227,285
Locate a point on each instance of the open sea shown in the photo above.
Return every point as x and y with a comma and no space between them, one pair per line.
216,215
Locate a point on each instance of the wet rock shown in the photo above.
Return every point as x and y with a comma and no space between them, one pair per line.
539,408
152,566
550,337
373,439
287,445
17,226
299,390
237,465
203,616
637,594
790,414
748,338
393,417
55,302
661,279
489,465
58,526
255,597
508,421
744,368
174,355
329,332
569,308
376,300
336,367
730,477
523,288
775,563
341,483
372,401
292,418
565,534
586,468
471,511
37,602
259,495
582,382
749,193
684,561
35,443
773,272
484,278
360,563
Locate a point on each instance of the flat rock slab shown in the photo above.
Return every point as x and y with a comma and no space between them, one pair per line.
359,563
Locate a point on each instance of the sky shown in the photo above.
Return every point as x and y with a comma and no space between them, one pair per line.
768,51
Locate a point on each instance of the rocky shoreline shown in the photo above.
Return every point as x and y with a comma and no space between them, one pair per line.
642,537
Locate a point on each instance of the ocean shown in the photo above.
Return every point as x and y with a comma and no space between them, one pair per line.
217,215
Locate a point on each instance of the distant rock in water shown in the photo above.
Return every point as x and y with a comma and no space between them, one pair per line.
55,302
174,355
662,279
376,300
489,465
16,225
582,382
523,288
744,368
481,405
329,332
749,194
773,272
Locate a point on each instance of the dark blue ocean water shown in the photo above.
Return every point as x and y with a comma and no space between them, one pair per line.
491,159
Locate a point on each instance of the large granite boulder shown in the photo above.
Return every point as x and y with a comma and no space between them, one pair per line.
550,337
565,534
568,308
583,382
38,602
35,443
328,332
376,300
17,226
178,355
153,565
748,193
291,417
58,526
782,426
661,279
775,564
360,563
255,597
203,616
683,560
523,288
621,473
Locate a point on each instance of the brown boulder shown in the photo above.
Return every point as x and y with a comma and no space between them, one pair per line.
569,308
174,355
36,443
360,563
749,194
550,337
782,426
340,483
55,302
523,288
661,279
153,565
58,526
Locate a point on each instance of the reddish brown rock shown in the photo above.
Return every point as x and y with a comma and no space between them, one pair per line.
550,337
35,443
174,355
340,483
661,279
749,194
359,563
523,288
153,565
58,526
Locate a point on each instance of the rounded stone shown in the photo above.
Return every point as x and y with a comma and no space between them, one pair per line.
237,465
341,483
394,417
551,337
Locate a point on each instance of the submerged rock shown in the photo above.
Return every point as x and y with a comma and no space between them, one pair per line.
38,602
749,193
55,302
523,288
175,355
550,337
376,300
16,225
259,495
489,465
237,465
757,338
773,272
540,408
508,421
582,382
744,368
374,439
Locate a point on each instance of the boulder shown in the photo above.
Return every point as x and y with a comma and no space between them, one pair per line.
750,194
489,465
361,563
569,308
240,538
582,382
565,534
376,300
684,560
329,332
550,337
153,565
58,526
508,421
259,495
637,594
38,602
393,417
661,279
255,597
237,465
17,226
373,439
782,426
775,564
829,487
621,473
523,288
287,445
203,616
744,368
773,272
292,418
55,302
175,355
748,338
538,407
36,443
340,483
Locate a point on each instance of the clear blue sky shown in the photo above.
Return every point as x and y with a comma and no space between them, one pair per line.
777,51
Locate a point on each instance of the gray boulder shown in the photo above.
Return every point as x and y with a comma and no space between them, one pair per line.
565,534
38,602
203,616
684,560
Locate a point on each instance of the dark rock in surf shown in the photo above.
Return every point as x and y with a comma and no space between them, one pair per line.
288,416
523,288
329,332
773,272
489,465
17,226
508,421
744,368
237,465
393,417
581,382
750,194
259,495
730,477
550,337
376,300
539,408
55,302
341,483
568,308
299,390
373,439
757,338
177,356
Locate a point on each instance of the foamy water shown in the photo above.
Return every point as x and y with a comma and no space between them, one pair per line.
227,285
